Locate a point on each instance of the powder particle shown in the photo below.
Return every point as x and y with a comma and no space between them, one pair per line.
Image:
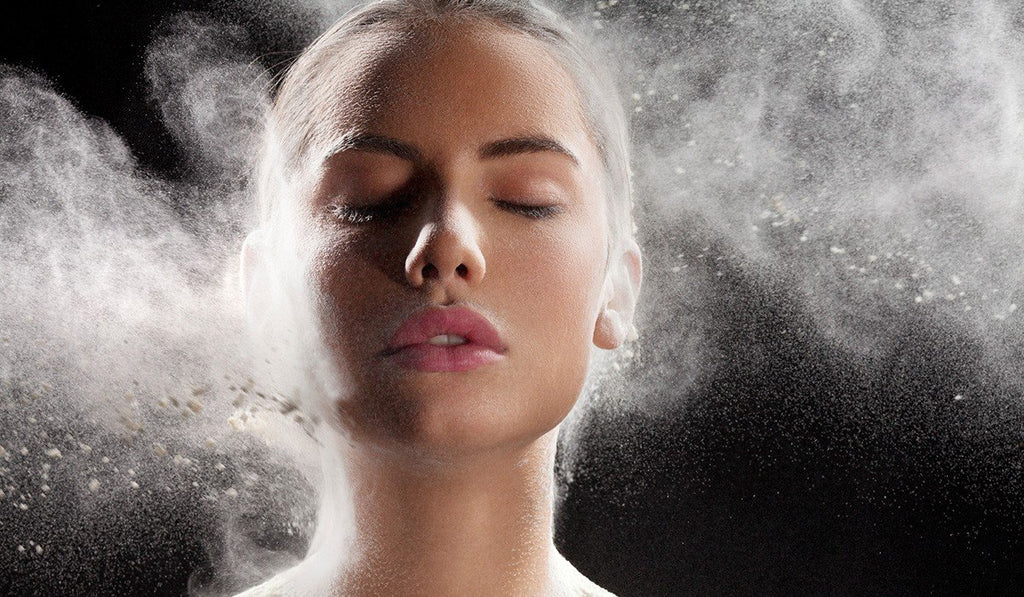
21,549
85,448
39,549
133,485
94,485
231,492
195,405
219,466
129,423
159,450
53,453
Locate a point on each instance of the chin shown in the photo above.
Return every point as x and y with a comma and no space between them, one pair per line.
444,427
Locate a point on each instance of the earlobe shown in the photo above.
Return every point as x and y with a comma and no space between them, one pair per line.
622,286
610,331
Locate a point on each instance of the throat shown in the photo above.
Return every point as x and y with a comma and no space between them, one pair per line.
485,529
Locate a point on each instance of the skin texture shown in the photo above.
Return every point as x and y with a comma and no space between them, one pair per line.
448,475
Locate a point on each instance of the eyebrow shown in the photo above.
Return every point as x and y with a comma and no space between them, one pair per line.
489,151
375,144
518,145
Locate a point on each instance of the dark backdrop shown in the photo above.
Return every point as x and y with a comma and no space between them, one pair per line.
797,472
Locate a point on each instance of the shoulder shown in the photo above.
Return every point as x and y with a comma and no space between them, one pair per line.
290,583
274,587
587,588
575,584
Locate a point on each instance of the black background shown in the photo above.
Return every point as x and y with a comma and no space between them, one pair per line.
799,472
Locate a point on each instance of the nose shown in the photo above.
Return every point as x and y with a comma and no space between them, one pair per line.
446,250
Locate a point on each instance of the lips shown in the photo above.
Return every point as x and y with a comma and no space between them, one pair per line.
411,346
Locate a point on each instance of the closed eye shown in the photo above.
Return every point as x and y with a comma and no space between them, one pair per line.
366,214
536,212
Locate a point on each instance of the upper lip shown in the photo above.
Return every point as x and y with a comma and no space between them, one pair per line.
435,321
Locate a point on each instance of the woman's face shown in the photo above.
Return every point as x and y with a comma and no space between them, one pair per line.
461,175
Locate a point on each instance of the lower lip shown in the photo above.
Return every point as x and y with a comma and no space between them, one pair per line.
432,358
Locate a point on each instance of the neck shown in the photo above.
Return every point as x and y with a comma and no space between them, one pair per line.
471,525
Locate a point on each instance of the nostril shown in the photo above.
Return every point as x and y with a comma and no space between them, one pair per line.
462,270
429,271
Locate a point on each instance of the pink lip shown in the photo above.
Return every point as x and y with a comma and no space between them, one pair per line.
410,349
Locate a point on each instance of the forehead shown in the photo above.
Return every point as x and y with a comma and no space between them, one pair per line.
436,86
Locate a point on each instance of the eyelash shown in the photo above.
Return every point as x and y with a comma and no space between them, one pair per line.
536,212
359,215
367,214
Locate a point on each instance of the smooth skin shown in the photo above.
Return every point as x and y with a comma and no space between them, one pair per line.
466,178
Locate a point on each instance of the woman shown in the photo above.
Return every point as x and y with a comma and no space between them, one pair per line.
445,234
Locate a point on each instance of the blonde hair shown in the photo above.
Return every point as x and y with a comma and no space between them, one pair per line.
291,124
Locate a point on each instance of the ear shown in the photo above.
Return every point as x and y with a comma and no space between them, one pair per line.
250,268
621,287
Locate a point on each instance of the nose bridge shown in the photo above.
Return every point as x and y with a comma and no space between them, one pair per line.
446,248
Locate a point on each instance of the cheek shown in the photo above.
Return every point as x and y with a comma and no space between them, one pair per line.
349,297
555,282
559,306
